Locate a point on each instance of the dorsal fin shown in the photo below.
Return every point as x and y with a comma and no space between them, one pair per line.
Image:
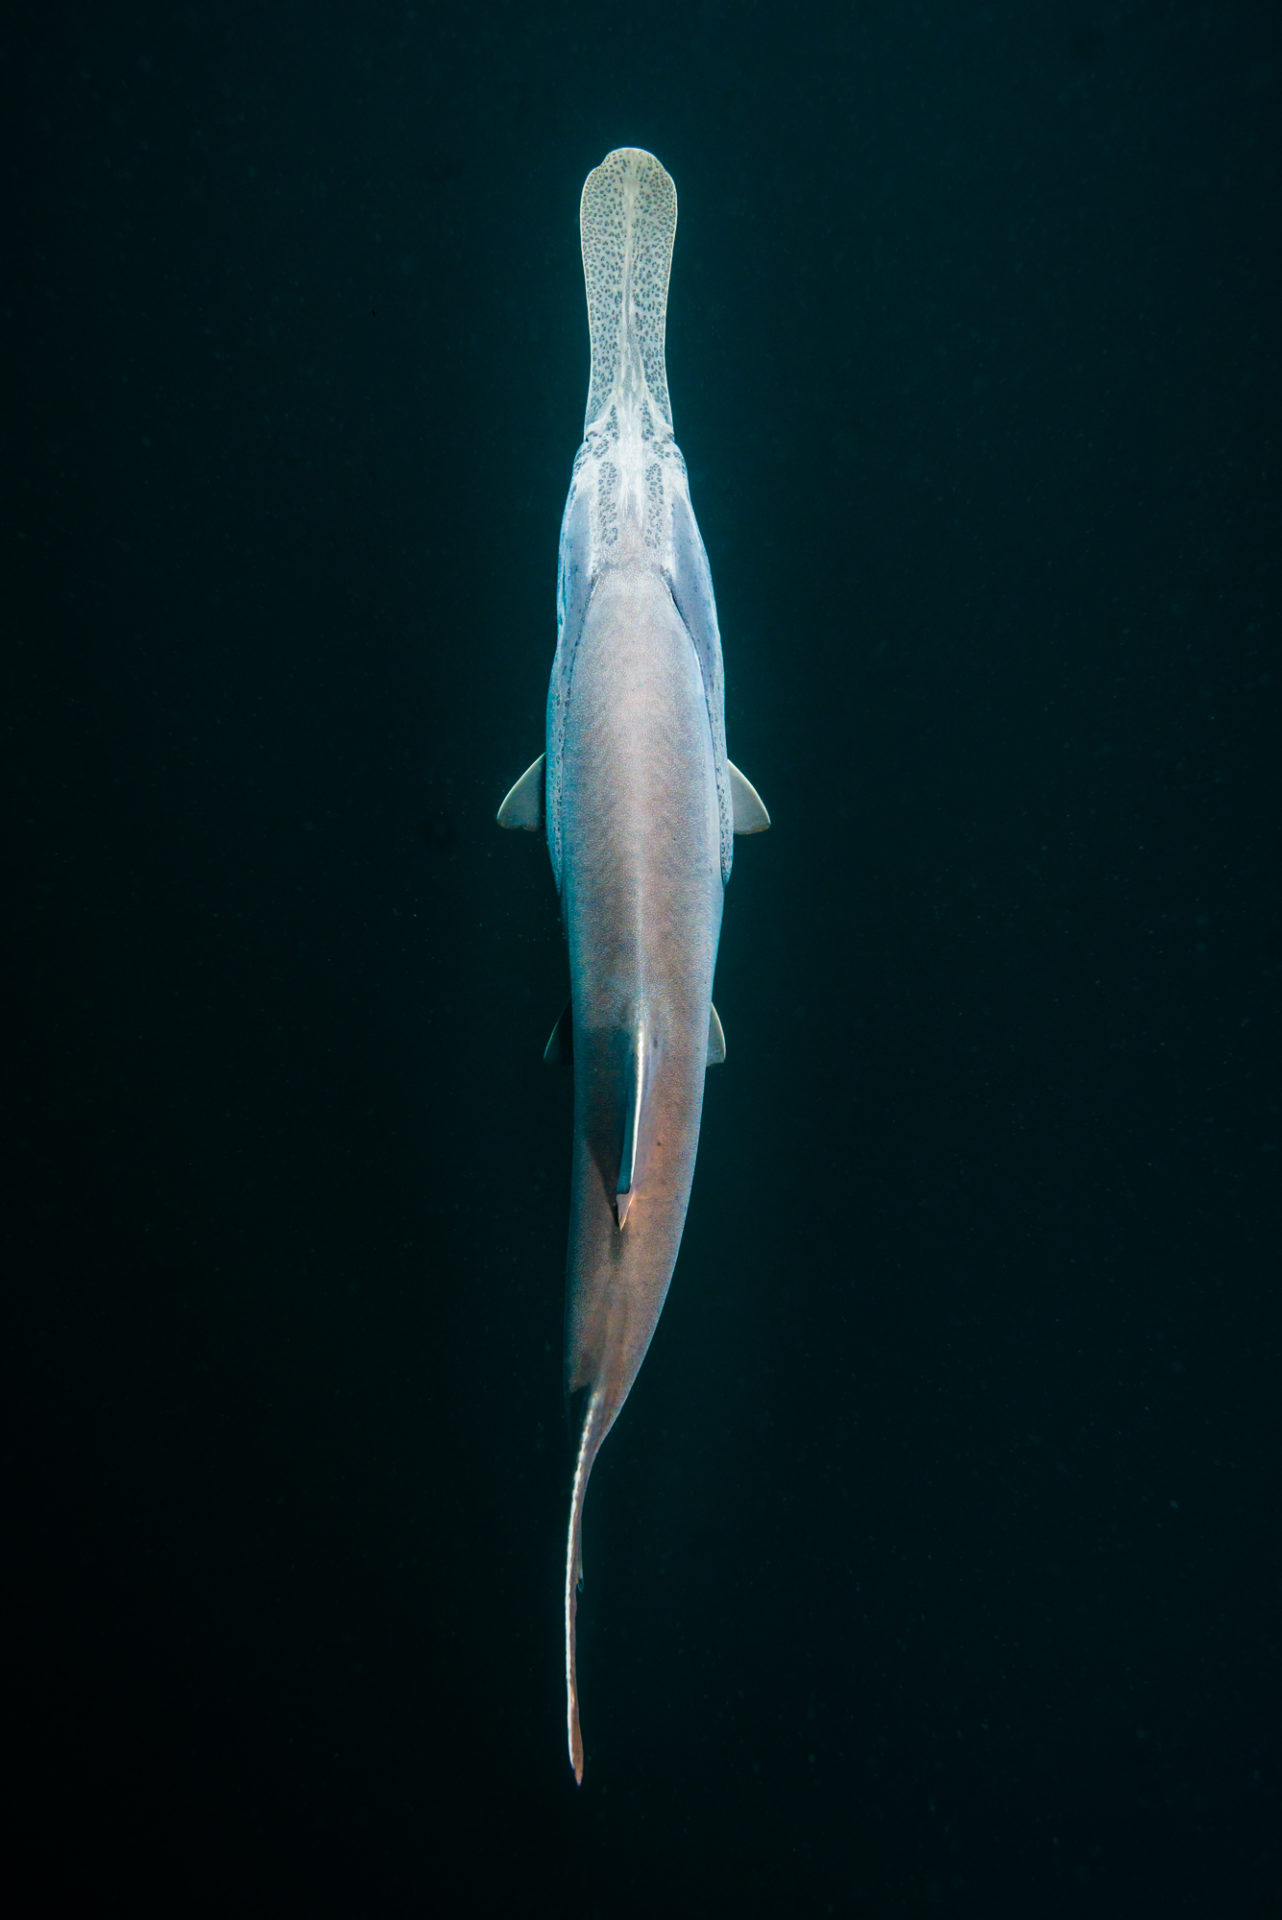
523,806
750,814
634,1092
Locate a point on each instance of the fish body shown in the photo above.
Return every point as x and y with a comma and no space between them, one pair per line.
640,805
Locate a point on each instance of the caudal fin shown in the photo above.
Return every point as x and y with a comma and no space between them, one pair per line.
594,1431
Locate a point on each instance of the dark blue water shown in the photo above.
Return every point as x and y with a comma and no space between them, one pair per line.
934,1564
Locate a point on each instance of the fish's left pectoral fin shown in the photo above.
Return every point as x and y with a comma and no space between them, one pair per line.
748,807
523,806
716,1039
559,1051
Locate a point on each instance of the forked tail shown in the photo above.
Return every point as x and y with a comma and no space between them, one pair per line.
594,1432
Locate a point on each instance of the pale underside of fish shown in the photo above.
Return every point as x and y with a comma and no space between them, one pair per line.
640,806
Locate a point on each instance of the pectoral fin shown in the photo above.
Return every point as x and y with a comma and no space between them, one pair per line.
750,815
716,1039
523,806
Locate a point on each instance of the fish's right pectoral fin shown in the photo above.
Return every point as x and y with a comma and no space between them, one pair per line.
716,1039
749,808
523,806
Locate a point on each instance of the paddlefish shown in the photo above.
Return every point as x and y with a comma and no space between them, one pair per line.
640,806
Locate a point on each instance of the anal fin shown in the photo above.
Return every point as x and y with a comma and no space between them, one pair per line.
634,1082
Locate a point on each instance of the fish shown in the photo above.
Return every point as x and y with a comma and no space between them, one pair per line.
639,805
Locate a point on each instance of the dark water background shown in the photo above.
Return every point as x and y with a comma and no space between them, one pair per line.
934,1566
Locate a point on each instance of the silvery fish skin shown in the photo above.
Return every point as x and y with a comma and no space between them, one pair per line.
641,806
